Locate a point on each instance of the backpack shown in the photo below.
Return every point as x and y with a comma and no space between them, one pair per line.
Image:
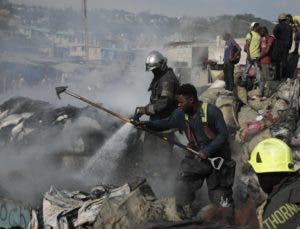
237,58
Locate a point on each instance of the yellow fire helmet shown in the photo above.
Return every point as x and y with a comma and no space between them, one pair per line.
272,155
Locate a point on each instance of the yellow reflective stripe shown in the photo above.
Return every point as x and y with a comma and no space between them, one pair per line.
204,113
167,93
186,117
150,109
204,110
259,212
280,216
168,131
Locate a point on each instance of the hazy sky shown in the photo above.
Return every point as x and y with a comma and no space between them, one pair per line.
268,9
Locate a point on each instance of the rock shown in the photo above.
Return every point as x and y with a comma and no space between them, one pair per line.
135,209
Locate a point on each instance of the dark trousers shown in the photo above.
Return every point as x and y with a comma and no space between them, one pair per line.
293,59
228,76
219,182
281,65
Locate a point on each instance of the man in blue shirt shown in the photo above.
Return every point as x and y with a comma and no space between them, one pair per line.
206,131
231,52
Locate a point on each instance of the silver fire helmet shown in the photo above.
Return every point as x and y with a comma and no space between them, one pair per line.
156,60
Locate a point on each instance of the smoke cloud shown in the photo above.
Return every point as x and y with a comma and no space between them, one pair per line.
54,155
57,154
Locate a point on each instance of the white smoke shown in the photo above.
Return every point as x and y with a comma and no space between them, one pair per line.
27,172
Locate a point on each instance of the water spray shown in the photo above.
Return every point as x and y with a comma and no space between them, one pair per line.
216,162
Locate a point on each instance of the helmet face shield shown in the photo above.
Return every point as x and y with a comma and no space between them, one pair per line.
155,60
151,66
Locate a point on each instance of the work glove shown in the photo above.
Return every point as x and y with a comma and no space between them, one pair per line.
139,112
139,124
202,155
192,145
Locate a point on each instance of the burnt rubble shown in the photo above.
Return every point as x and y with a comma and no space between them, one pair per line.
132,204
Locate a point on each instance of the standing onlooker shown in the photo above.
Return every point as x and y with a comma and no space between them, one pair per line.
295,23
296,20
293,57
265,58
283,33
232,52
252,48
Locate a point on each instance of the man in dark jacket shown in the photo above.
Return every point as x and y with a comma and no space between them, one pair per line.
272,161
157,158
206,131
283,33
163,88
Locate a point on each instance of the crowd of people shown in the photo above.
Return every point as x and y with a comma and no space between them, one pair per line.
178,107
265,52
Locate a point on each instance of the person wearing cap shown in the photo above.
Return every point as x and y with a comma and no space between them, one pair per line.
252,48
284,35
273,163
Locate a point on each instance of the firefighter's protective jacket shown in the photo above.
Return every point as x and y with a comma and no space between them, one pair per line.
162,100
217,147
282,208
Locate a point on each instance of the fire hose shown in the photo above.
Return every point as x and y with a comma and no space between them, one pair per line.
216,162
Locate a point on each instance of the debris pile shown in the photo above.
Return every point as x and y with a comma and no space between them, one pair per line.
24,121
127,206
249,116
253,118
42,144
132,205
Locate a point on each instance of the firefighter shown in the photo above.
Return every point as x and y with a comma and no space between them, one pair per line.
272,161
163,88
157,158
206,131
